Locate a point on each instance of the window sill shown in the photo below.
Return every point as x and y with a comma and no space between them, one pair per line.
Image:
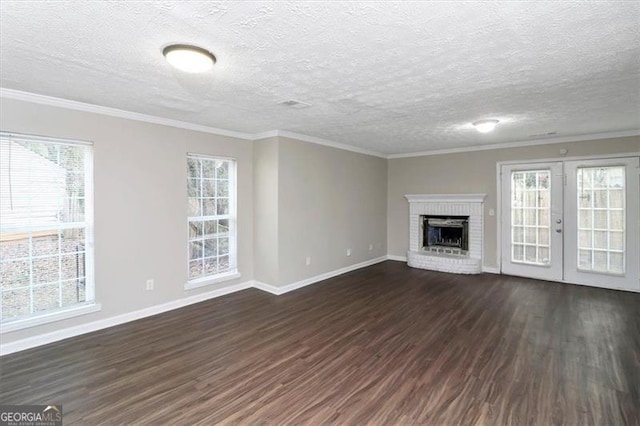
205,281
46,318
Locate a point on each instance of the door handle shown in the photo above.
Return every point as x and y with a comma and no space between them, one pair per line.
558,220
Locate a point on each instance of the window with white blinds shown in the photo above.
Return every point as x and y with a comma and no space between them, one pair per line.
211,204
46,222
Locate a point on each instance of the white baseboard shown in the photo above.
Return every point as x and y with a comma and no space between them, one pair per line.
490,270
267,287
65,333
396,258
312,280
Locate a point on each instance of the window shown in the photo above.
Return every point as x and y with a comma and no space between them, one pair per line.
211,207
46,206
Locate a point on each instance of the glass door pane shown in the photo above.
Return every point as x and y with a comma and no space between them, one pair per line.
601,219
530,216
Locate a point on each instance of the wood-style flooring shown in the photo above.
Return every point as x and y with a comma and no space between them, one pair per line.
383,345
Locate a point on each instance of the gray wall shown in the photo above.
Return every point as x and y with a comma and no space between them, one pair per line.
471,172
265,215
140,189
330,200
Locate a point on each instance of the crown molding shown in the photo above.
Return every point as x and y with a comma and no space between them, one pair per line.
265,135
114,112
530,142
326,142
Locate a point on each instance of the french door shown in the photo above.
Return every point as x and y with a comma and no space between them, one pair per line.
572,221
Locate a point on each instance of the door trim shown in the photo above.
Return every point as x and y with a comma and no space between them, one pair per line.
499,165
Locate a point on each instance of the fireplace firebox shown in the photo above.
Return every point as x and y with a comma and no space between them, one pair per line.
446,234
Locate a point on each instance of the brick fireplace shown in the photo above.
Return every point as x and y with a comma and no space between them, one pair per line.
445,232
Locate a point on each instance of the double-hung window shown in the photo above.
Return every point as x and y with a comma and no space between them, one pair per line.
46,222
211,204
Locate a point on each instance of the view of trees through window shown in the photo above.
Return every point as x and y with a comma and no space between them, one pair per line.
43,222
210,184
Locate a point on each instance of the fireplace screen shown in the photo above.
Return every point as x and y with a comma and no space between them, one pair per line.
446,234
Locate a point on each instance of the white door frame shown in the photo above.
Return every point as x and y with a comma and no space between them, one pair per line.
499,165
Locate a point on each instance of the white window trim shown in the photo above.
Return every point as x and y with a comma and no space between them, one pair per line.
212,279
90,305
233,273
50,316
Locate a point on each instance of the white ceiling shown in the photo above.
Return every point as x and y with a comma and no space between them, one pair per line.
392,77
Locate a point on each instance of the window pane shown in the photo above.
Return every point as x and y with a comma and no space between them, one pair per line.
543,236
211,247
222,188
72,266
195,250
193,166
73,291
209,207
223,206
14,273
210,228
517,253
72,240
46,244
210,266
196,229
195,269
15,303
584,259
222,170
208,188
584,239
517,234
616,263
223,246
193,187
223,263
600,239
45,297
194,206
616,240
13,247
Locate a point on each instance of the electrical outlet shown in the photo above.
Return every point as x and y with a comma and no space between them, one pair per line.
308,261
348,252
150,284
492,212
370,247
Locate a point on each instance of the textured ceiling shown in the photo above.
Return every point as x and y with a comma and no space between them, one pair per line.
392,77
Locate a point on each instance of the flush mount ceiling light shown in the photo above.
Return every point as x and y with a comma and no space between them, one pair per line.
189,58
485,126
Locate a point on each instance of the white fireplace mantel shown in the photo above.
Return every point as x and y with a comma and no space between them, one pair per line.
470,205
445,198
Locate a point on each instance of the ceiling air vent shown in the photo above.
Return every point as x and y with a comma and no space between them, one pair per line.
294,104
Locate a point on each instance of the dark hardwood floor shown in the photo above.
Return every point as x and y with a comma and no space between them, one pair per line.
383,345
